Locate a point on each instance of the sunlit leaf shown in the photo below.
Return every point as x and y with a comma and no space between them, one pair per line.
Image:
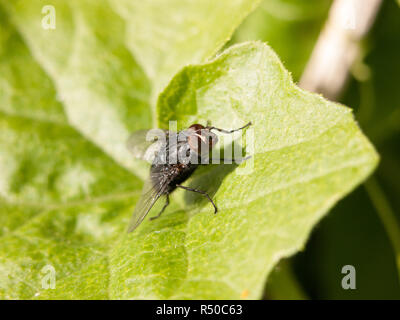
308,153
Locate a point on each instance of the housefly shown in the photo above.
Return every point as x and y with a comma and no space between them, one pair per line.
174,156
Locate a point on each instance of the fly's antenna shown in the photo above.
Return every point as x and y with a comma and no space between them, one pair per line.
229,131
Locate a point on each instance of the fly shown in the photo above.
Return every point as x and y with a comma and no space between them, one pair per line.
174,156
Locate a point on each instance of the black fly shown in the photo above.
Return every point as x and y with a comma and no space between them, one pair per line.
174,157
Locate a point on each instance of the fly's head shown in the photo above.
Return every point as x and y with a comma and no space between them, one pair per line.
201,140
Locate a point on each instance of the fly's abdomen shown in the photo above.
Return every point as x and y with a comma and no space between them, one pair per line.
173,173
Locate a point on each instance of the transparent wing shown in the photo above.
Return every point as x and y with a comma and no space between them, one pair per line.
144,144
150,194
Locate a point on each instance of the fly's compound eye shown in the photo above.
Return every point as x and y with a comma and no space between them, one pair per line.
196,127
202,142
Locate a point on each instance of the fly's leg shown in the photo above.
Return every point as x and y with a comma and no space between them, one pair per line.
238,161
162,210
229,131
201,192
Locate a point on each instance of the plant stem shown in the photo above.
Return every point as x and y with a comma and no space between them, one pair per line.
338,47
387,216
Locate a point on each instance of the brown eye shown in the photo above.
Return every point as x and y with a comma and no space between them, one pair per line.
196,127
202,141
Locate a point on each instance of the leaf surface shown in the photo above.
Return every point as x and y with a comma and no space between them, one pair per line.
307,154
69,99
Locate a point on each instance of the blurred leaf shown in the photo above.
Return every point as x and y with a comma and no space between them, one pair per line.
290,27
60,196
167,35
89,57
308,153
103,90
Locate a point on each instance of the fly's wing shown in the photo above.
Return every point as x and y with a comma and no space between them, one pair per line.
144,144
150,194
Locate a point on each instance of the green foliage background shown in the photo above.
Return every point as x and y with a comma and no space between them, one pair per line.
70,97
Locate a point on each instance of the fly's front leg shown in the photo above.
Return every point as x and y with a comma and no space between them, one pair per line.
229,131
163,208
202,193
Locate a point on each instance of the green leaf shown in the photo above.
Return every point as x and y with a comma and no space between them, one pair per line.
190,32
92,56
61,198
69,98
104,92
308,153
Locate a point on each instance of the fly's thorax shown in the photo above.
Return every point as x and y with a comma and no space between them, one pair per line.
192,145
